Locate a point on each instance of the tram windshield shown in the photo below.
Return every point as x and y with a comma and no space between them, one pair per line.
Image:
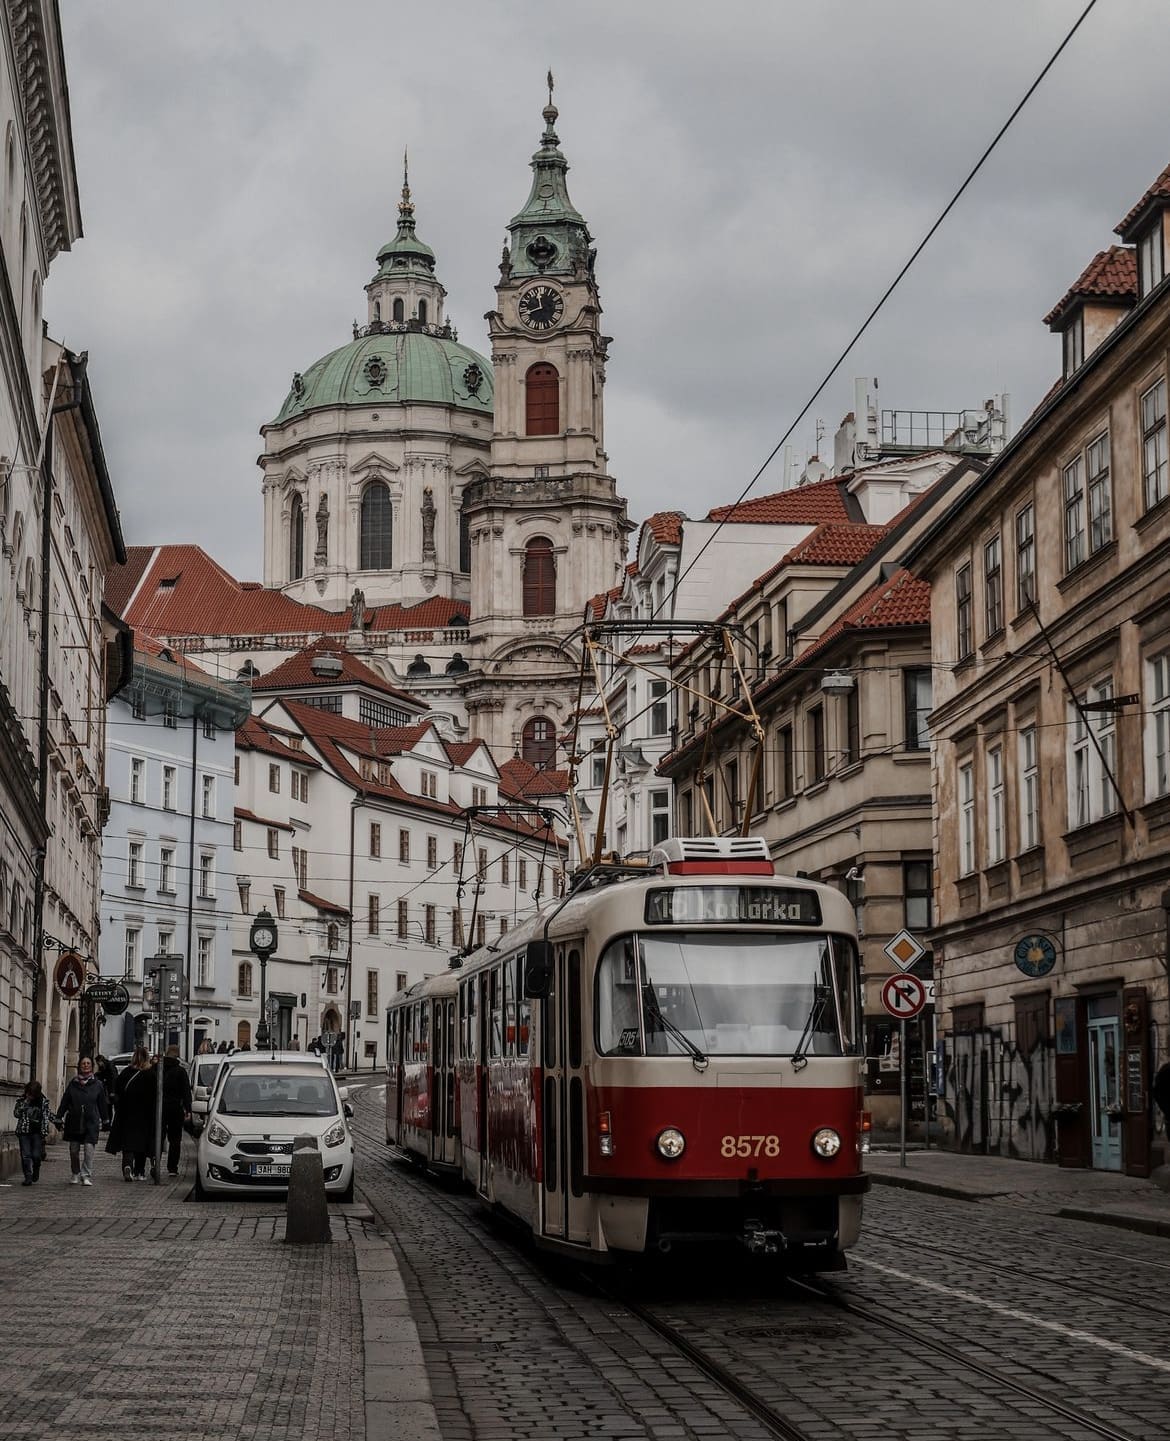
738,994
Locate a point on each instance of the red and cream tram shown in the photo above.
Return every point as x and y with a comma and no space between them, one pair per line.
668,1055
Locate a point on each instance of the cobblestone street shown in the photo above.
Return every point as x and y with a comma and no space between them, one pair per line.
132,1311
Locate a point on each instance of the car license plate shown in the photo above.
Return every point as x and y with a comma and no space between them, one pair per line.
264,1169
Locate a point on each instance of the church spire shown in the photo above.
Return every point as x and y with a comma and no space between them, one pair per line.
549,235
406,247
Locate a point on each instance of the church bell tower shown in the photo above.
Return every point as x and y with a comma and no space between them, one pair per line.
547,527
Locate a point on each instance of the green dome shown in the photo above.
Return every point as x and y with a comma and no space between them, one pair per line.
393,369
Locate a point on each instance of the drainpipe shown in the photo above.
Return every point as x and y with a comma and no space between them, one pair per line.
353,808
191,881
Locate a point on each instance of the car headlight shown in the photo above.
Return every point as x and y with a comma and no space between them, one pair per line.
335,1134
671,1143
218,1134
826,1143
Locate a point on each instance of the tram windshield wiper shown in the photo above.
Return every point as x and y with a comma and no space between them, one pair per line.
654,1014
815,1012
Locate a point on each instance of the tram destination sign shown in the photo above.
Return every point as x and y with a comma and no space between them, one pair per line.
736,905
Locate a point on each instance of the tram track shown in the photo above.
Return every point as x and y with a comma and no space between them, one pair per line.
745,1384
873,1317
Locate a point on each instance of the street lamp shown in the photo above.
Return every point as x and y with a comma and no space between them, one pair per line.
262,943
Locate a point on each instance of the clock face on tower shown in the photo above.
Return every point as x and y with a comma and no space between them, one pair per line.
540,307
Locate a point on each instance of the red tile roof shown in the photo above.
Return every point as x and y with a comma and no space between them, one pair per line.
460,752
122,579
254,735
666,526
155,650
297,672
522,780
835,544
322,904
243,815
903,600
1110,275
1157,194
823,500
185,592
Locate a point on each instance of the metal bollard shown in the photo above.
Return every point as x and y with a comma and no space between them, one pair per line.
307,1216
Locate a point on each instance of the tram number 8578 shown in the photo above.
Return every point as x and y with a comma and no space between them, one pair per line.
750,1146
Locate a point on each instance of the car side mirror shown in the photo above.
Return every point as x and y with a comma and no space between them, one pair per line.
202,1093
538,969
347,1110
343,1092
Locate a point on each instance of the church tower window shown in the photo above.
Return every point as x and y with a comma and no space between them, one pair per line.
543,400
538,743
399,312
377,310
376,523
296,540
422,312
540,578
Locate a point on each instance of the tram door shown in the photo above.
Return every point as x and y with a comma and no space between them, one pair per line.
564,1209
443,1084
481,1080
1105,1082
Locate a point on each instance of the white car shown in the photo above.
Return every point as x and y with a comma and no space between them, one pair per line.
204,1071
257,1109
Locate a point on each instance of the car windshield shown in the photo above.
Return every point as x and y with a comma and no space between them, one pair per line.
269,1095
726,994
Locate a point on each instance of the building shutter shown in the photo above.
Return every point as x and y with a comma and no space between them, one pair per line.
540,578
543,400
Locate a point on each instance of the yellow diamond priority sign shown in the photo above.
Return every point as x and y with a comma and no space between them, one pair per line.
904,950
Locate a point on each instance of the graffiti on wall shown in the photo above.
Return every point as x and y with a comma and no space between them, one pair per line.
997,1098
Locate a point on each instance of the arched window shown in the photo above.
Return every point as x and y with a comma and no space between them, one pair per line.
542,387
377,310
399,312
244,979
422,312
376,521
464,542
244,1036
538,743
332,936
540,577
296,540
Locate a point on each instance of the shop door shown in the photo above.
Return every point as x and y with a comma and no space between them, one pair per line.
1104,1083
564,1205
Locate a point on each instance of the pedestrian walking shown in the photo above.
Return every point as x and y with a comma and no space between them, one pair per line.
32,1126
107,1073
83,1113
176,1106
132,1133
1162,1091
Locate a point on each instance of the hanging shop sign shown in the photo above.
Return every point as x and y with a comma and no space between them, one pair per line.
1035,954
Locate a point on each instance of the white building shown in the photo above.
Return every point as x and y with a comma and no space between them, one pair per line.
351,833
168,883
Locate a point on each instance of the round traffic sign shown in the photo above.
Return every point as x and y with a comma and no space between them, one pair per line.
69,975
117,1002
903,996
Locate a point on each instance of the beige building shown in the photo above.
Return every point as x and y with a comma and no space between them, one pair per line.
1051,731
835,648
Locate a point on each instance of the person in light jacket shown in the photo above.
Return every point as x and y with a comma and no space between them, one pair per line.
83,1112
32,1126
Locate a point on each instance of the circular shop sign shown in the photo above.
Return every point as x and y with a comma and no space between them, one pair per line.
118,1002
1035,954
69,975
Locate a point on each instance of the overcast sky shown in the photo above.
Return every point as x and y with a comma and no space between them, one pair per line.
754,173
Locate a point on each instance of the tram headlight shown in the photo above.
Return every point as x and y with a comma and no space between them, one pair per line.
671,1143
826,1143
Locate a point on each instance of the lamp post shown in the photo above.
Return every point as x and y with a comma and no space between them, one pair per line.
262,942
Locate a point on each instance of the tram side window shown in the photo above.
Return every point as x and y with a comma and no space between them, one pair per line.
573,1038
496,1044
509,1010
846,970
423,1032
472,1033
619,1025
523,1010
548,1021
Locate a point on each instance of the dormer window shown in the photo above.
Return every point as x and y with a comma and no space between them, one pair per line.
1151,259
1074,344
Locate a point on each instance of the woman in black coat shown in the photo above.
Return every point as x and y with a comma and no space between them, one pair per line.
134,1116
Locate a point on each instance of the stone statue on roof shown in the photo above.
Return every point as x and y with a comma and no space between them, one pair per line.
357,609
321,555
428,524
